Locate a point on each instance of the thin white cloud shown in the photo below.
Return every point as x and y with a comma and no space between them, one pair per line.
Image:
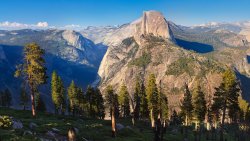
15,25
6,25
42,24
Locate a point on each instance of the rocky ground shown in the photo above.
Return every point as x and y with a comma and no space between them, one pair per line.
48,127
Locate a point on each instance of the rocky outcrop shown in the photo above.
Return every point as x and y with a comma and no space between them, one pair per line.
172,65
151,22
154,23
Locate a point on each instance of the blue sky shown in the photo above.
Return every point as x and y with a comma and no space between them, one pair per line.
115,12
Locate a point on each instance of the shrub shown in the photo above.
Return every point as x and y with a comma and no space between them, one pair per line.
5,122
142,61
128,41
181,66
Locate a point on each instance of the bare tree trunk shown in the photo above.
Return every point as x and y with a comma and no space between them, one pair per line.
113,123
33,106
152,119
72,134
223,121
186,120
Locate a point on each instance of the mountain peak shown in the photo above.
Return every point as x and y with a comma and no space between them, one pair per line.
153,22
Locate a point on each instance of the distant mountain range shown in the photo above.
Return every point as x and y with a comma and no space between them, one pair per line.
116,54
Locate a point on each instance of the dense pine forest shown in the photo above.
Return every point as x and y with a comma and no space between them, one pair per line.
117,114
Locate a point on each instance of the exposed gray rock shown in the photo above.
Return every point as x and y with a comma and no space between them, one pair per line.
17,124
119,126
33,125
51,134
55,130
76,130
27,132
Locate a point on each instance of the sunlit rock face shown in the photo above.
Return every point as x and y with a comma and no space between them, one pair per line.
152,49
153,22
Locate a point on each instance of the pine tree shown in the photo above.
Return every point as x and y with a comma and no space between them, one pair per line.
24,99
152,97
100,104
110,102
62,97
33,70
175,119
124,101
137,99
58,93
163,106
186,105
144,112
81,101
90,97
226,97
200,107
73,97
40,105
163,112
55,91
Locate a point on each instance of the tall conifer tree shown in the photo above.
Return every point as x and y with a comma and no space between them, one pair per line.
152,97
187,106
33,70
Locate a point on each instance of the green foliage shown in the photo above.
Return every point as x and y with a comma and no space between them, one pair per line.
5,122
200,107
111,100
152,95
186,105
163,105
175,119
100,104
182,65
142,61
33,69
144,112
40,105
128,41
90,97
73,97
24,98
123,100
187,65
137,99
226,95
244,105
58,92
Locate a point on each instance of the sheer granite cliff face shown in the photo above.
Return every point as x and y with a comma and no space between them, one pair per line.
154,23
152,49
